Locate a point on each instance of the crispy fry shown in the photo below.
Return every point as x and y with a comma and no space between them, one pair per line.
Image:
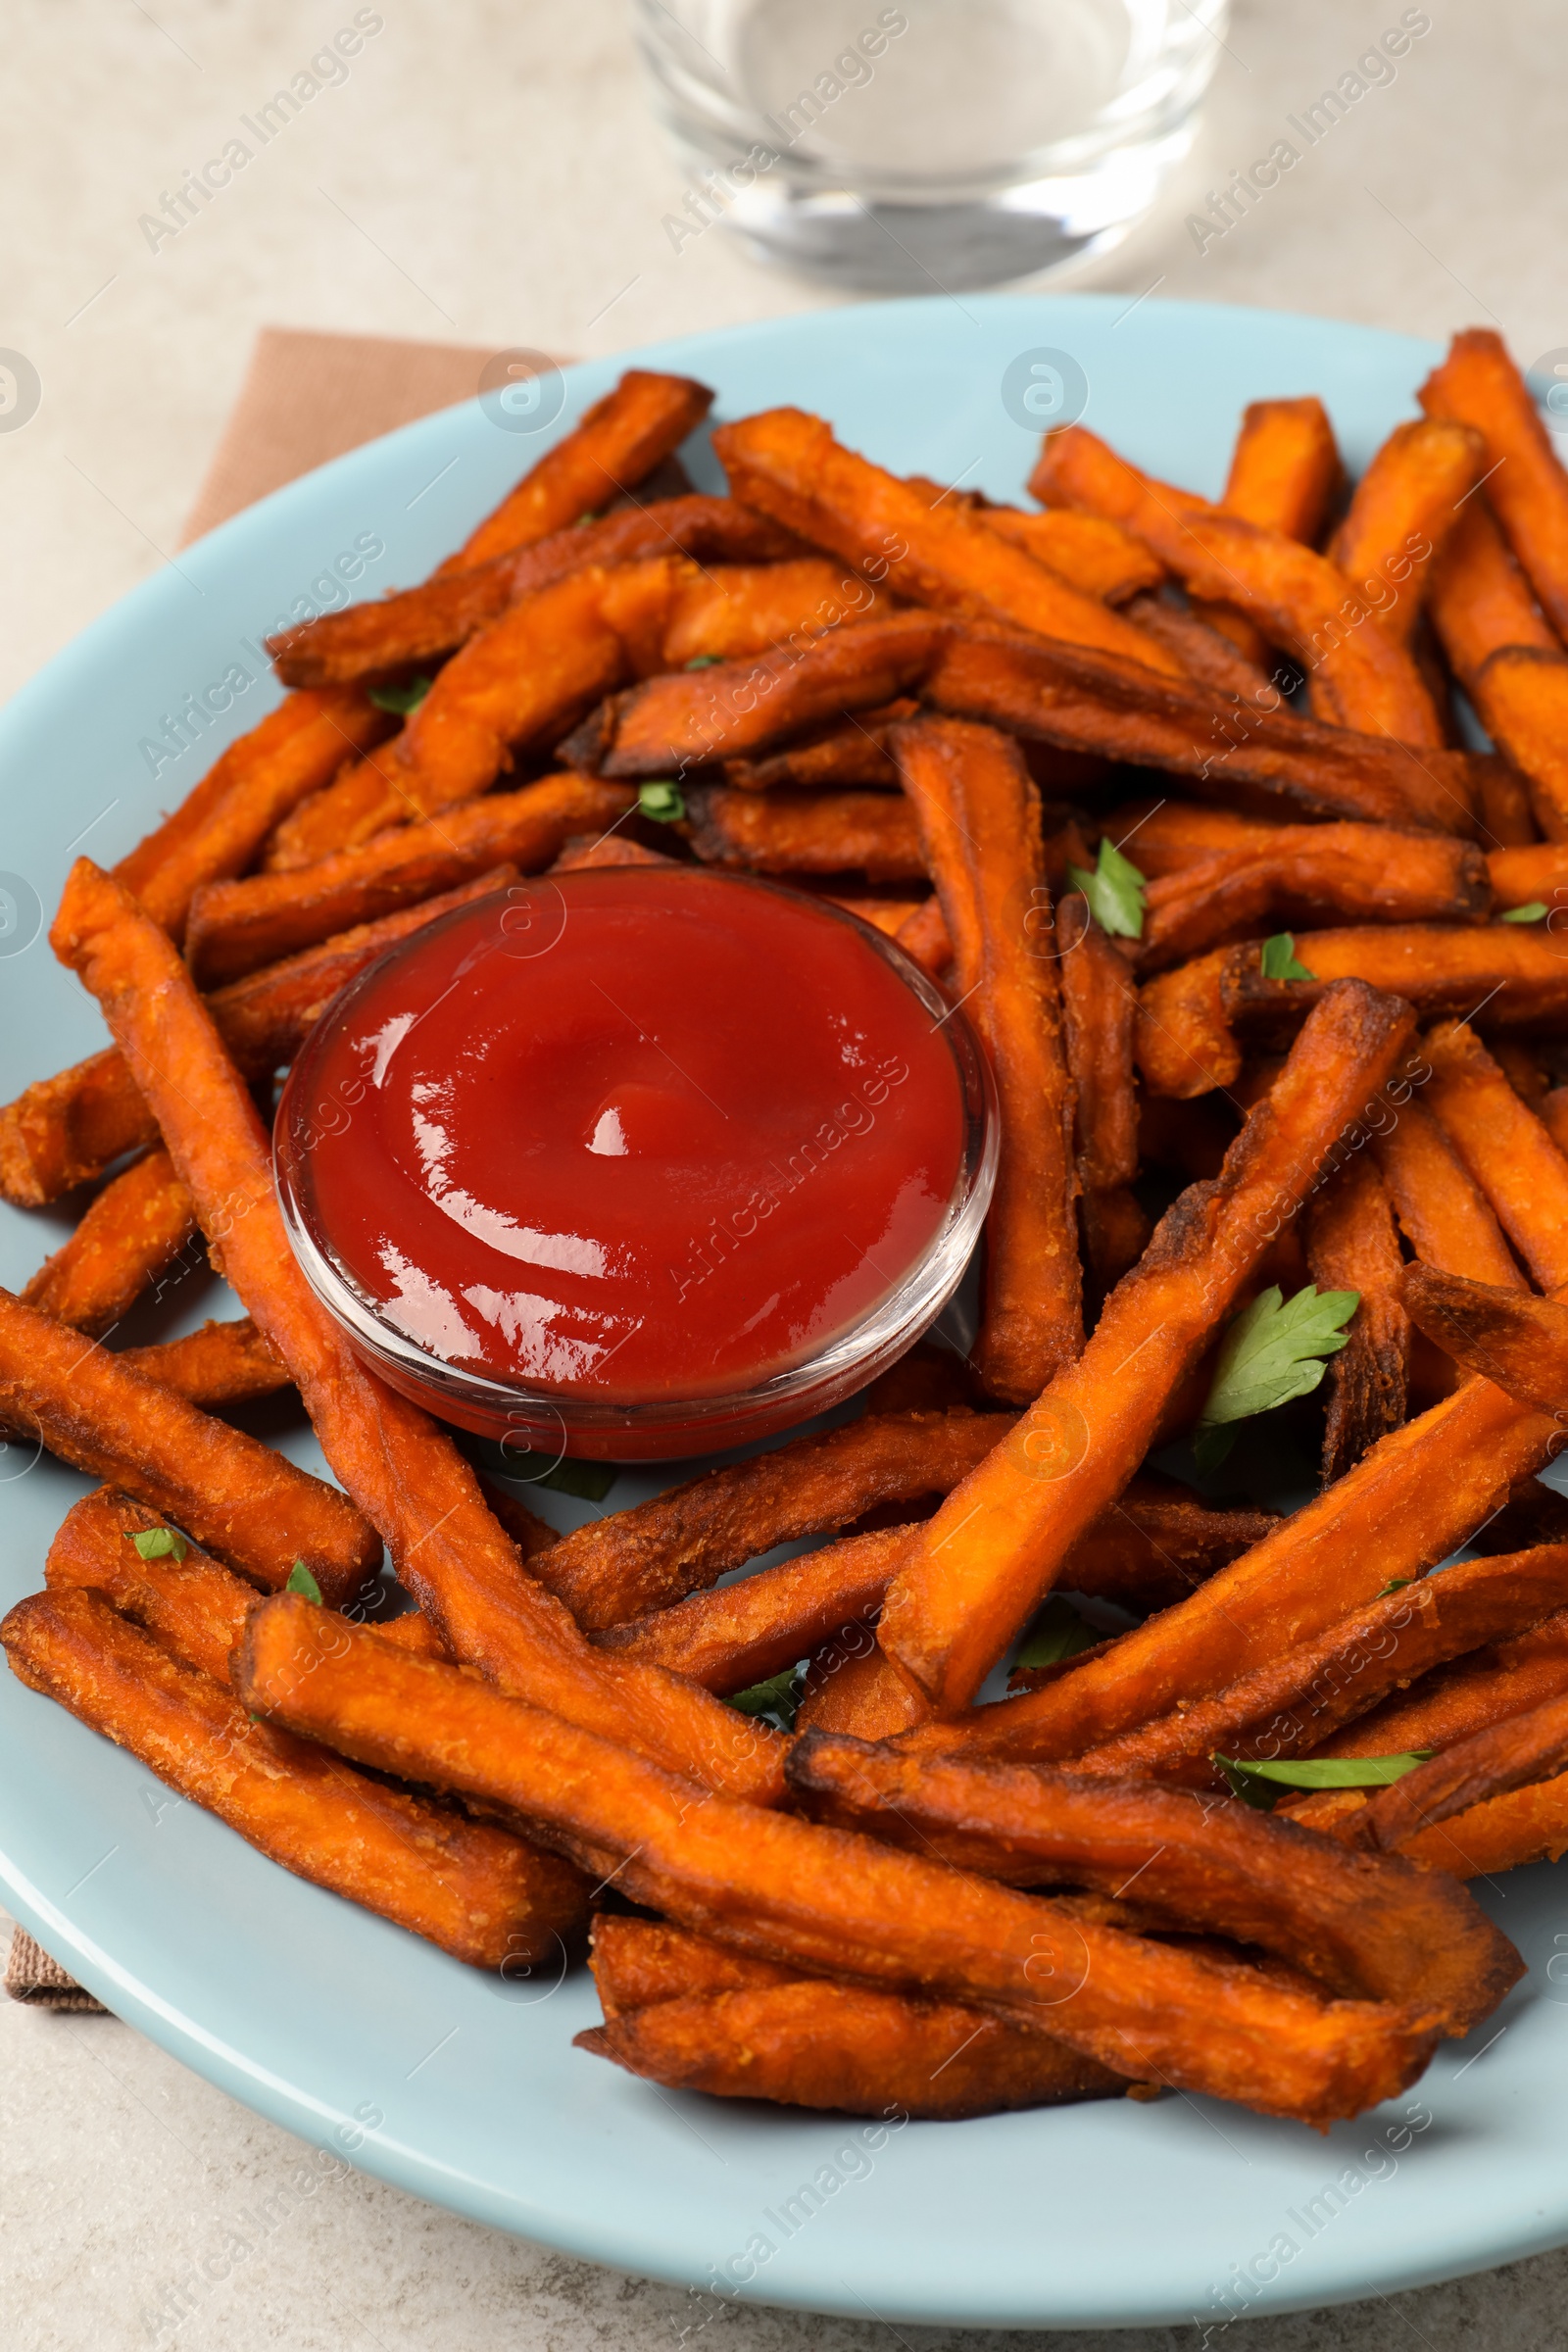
478,1892
1487,1685
1369,873
1479,385
236,1496
1174,834
426,623
788,464
1095,555
1099,1008
1402,1938
221,1363
735,610
983,807
1529,1824
1522,699
852,751
404,1471
1351,1246
1442,1209
518,685
1285,475
636,1962
1188,1021
1291,1705
852,1686
1488,1764
1480,598
923,938
1412,498
668,725
849,2048
1205,650
616,1569
828,1900
1505,1147
1358,677
1510,661
977,1571
68,1129
295,750
807,833
139,1221
612,447
1157,1543
235,927
1510,1338
1263,757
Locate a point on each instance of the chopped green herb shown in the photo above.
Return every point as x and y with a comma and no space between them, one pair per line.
1258,1784
590,1482
1525,914
705,661
1114,891
583,520
776,1700
401,699
1278,960
1398,1585
1270,1354
300,1580
159,1543
662,800
1058,1632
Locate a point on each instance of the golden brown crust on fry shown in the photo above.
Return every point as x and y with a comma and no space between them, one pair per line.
141,1220
1442,1209
807,833
221,1363
1412,498
1352,1244
1505,1147
1479,385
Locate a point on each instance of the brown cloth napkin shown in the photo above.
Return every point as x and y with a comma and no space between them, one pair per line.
307,397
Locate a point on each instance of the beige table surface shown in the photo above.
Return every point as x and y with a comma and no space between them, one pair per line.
489,174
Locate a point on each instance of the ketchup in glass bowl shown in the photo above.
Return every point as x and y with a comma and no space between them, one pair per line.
632,1162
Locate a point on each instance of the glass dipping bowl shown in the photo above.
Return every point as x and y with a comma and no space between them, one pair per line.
554,1422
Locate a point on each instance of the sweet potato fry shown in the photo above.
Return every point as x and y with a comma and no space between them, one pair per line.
236,927
1285,475
973,797
788,464
1086,551
1189,1019
850,2049
1402,1938
976,1572
1510,1338
400,1467
1358,677
66,1130
1452,1702
1205,650
1367,873
613,1570
1478,598
221,1363
807,833
923,938
1490,1763
1352,1244
478,1892
1098,1008
519,685
139,1221
613,446
824,1899
1264,758
1410,499
1525,872
1442,1209
240,1498
1479,385
1158,1543
1522,699
1291,1705
1529,1824
851,751
426,623
734,610
296,749
1173,835
637,1962
668,725
1505,1147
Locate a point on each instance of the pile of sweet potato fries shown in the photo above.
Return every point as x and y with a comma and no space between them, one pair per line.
1278,1024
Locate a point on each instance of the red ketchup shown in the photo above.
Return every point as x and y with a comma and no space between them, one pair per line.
633,1134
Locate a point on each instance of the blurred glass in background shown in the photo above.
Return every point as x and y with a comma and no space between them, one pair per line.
936,143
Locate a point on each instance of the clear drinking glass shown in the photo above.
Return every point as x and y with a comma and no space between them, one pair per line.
932,144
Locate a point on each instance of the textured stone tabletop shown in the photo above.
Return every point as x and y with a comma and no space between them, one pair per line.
488,175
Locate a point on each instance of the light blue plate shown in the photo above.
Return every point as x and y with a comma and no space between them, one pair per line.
468,2090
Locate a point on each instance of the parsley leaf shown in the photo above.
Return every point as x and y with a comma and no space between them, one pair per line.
1398,1585
705,661
1525,914
1270,1354
159,1543
590,1482
401,699
1278,960
1058,1632
776,1700
300,1580
1256,1784
1114,891
662,800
